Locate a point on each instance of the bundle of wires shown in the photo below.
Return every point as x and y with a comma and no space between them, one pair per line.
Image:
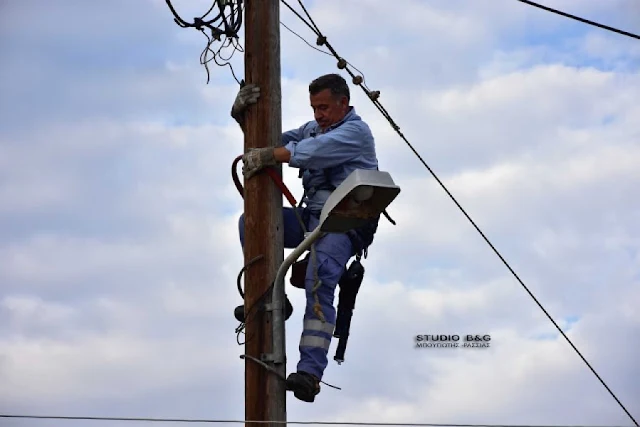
223,28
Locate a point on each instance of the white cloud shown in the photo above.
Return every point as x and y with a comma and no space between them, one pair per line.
120,251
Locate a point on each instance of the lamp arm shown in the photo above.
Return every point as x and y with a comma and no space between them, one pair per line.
278,295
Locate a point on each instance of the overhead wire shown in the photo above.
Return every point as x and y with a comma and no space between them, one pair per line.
364,79
358,80
345,423
583,20
224,24
373,96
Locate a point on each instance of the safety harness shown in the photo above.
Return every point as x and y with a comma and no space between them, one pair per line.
350,281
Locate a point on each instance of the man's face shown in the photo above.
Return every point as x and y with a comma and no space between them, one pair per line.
328,109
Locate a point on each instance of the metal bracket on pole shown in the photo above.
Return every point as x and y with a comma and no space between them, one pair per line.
273,306
267,357
277,304
264,365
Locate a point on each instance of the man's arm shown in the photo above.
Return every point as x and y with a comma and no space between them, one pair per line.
282,155
292,135
248,95
259,158
327,150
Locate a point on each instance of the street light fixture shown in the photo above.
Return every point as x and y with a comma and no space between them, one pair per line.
362,196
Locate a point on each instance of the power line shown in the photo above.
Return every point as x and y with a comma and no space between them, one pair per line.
373,96
224,24
343,64
364,79
214,421
303,39
577,18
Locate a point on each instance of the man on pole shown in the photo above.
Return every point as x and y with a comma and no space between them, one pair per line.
326,150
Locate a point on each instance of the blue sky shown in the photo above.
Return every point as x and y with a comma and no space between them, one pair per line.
118,226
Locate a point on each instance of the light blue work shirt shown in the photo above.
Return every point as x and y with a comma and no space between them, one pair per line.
334,154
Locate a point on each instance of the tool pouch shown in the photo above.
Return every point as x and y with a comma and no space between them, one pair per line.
299,272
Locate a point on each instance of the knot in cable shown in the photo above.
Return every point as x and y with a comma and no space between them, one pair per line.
342,63
357,80
321,40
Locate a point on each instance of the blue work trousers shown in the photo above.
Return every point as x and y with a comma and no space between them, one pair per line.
333,252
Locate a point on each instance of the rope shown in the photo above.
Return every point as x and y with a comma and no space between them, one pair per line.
373,96
214,421
317,309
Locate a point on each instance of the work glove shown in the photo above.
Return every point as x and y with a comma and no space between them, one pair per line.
247,95
256,160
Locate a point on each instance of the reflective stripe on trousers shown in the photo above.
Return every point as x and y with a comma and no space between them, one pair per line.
316,325
333,252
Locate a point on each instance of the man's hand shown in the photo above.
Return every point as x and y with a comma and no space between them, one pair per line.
256,160
247,95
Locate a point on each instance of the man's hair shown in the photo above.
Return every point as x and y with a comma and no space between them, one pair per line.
334,82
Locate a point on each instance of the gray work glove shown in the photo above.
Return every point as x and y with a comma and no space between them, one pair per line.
247,95
256,160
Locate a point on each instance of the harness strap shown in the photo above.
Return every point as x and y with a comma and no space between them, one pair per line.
362,237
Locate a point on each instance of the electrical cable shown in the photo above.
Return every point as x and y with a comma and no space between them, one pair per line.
212,421
364,79
322,40
251,314
277,179
231,31
224,24
577,18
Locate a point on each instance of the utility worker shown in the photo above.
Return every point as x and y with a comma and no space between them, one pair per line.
326,151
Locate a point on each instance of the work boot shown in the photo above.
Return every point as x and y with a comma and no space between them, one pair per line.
238,313
305,386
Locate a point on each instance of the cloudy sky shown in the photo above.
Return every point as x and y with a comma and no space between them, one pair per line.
118,221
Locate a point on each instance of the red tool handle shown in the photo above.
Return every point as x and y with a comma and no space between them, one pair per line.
277,179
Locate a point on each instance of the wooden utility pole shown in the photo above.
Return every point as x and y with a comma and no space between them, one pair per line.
265,393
